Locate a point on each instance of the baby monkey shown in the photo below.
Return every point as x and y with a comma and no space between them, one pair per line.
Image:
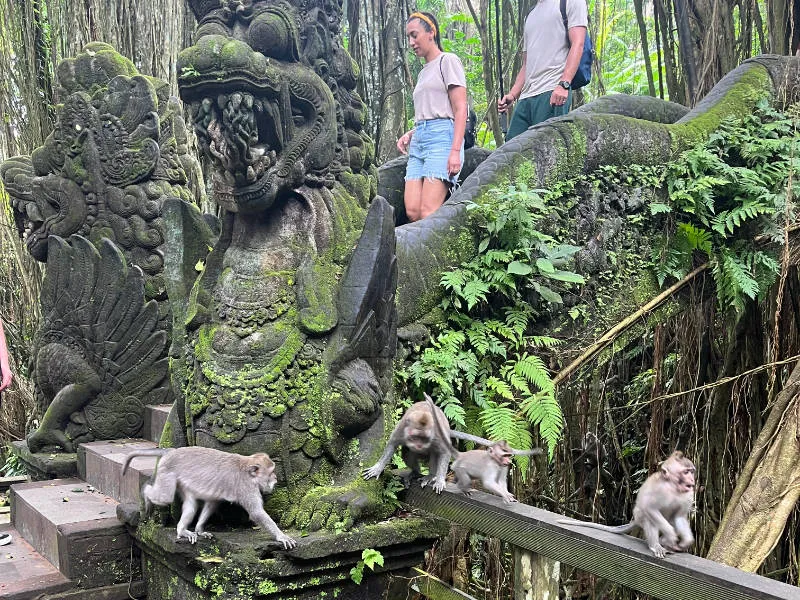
662,508
489,466
210,475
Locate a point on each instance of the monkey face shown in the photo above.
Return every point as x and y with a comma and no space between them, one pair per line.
417,440
685,481
262,470
680,471
501,453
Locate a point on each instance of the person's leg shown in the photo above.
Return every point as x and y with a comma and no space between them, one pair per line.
412,193
433,194
542,109
412,197
436,144
520,120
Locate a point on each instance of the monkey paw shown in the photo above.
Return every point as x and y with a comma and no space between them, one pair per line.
191,536
288,542
509,499
438,483
373,472
658,551
336,508
204,534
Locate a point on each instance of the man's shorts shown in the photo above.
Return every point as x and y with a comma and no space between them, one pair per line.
429,150
535,109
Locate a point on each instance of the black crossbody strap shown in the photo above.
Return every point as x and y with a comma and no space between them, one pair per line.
441,72
564,16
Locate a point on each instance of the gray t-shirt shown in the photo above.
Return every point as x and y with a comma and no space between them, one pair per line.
547,45
430,94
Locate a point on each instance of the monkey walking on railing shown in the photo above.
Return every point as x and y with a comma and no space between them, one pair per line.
662,508
212,476
489,466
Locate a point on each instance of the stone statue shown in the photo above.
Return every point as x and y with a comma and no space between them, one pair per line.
290,330
118,150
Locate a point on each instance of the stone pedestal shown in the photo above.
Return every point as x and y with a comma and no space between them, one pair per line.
246,564
46,465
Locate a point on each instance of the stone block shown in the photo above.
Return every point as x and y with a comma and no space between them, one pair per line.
155,418
76,530
24,573
100,465
45,465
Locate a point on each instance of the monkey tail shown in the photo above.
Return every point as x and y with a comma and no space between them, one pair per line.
532,452
135,453
445,438
627,528
468,437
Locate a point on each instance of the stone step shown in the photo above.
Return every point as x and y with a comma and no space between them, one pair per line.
155,418
100,465
24,573
75,528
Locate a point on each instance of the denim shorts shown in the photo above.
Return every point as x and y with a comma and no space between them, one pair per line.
429,150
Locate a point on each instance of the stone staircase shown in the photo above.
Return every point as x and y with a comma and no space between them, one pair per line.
67,542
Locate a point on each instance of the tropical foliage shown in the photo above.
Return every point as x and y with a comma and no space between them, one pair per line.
485,364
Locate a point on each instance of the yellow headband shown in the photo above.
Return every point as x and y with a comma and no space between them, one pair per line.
419,15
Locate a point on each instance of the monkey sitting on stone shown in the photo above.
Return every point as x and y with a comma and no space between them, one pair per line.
662,508
489,466
210,475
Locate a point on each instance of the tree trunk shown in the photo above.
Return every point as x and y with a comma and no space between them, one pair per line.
674,87
778,26
377,34
637,4
536,577
686,49
149,32
767,490
715,41
481,22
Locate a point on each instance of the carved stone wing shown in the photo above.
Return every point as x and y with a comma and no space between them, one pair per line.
93,301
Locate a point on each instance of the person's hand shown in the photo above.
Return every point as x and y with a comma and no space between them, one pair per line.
559,96
5,381
504,103
454,162
403,142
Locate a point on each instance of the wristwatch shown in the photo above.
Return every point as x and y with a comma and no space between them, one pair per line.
564,84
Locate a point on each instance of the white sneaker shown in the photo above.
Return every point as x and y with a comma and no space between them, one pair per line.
5,538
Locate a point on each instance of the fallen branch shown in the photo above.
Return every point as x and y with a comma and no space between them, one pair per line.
609,336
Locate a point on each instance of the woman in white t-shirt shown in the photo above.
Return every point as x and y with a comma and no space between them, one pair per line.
435,146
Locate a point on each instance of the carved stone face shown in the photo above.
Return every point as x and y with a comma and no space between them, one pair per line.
266,120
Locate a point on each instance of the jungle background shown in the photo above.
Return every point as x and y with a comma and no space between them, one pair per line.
706,379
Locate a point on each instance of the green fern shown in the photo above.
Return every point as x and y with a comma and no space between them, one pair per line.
722,195
483,366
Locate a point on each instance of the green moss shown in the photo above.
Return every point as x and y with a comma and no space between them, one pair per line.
147,530
267,587
166,440
738,101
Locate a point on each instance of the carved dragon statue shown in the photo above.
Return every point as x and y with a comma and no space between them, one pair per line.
118,150
290,329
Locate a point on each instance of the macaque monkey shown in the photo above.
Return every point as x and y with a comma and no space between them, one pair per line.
662,508
419,438
490,466
210,475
